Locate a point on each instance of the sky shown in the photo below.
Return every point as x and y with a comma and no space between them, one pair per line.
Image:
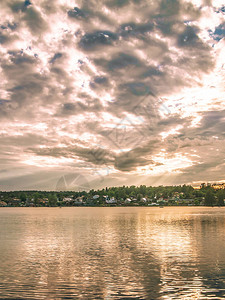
100,93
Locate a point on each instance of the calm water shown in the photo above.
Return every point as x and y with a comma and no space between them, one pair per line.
112,253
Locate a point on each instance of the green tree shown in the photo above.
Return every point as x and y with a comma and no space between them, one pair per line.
122,193
143,190
52,200
36,199
139,197
221,197
23,197
209,198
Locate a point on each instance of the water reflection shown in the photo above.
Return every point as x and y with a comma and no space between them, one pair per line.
112,253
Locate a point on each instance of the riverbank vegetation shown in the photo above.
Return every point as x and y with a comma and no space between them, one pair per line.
118,196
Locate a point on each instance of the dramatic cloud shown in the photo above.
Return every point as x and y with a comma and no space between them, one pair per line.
118,92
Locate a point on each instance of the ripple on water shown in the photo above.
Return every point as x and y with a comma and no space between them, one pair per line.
112,253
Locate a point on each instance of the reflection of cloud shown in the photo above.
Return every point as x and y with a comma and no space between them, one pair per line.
70,253
169,237
117,253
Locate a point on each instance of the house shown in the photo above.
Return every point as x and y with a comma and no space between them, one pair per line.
43,201
14,202
128,200
3,204
29,202
112,200
143,200
176,196
78,200
68,200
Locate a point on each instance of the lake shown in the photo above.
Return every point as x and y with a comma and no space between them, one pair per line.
112,253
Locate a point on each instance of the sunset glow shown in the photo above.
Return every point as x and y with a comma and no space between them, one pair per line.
87,87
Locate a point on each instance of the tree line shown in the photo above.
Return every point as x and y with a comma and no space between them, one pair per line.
206,195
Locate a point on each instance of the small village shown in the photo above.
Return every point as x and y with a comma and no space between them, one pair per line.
97,201
120,196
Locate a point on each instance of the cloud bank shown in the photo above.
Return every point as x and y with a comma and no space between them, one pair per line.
120,92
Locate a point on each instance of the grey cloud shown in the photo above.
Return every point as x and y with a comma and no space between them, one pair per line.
152,71
136,88
25,140
17,6
96,156
213,123
30,15
3,38
12,26
76,13
100,83
165,25
27,3
6,36
137,157
128,161
134,97
35,21
26,84
128,164
134,51
189,38
55,57
68,106
171,121
169,7
208,2
98,38
123,60
2,101
78,107
117,3
18,57
100,80
213,168
132,29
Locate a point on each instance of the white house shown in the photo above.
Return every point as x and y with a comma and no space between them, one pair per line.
128,200
112,200
67,199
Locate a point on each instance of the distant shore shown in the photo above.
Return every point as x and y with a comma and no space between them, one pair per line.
135,196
